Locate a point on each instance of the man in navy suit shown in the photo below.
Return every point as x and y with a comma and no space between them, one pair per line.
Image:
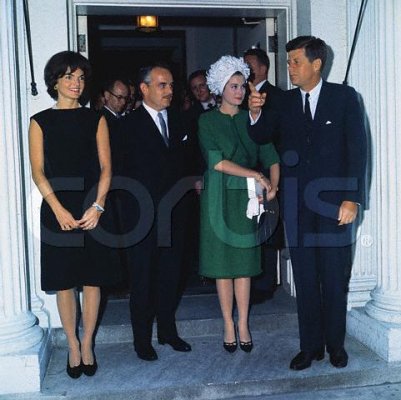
156,161
264,285
322,142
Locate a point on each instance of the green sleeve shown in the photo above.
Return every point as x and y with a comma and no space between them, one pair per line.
268,155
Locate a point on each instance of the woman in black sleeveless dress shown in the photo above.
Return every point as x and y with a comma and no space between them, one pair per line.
70,160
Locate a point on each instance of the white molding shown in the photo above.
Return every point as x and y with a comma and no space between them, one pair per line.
23,352
375,75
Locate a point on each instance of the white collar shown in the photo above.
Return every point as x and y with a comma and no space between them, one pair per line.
259,85
153,113
314,93
113,112
205,104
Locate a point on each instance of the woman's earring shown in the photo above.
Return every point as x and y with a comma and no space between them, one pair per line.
55,86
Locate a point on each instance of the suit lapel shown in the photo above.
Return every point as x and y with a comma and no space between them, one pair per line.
173,129
151,129
297,108
322,105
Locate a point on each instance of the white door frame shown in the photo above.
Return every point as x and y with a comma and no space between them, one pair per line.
284,10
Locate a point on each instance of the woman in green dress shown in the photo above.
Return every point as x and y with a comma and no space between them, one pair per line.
228,245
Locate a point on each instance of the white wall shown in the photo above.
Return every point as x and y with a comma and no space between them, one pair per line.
249,35
49,35
329,22
206,45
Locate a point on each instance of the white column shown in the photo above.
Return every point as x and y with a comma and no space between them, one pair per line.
378,325
52,17
20,336
364,271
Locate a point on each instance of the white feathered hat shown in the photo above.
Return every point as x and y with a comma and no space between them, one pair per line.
222,70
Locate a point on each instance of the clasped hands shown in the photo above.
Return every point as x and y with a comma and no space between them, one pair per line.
266,184
88,221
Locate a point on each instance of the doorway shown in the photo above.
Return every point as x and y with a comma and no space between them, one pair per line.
189,38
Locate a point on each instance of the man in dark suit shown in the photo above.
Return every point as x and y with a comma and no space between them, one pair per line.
116,95
264,285
323,155
259,63
202,99
156,160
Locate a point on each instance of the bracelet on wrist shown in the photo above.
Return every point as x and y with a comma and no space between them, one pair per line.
98,207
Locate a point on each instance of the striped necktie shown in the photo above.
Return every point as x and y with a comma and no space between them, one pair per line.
163,128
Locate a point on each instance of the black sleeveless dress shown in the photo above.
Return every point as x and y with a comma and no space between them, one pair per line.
74,258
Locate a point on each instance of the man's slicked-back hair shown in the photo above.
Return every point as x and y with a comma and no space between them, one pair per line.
144,72
260,54
58,65
315,48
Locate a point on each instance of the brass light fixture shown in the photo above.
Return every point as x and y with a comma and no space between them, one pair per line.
147,23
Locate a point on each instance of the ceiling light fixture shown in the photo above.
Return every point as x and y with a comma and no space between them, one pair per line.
147,23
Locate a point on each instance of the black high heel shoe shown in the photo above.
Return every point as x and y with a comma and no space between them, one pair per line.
90,369
73,372
231,346
245,346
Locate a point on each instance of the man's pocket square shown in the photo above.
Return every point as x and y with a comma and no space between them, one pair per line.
185,138
328,122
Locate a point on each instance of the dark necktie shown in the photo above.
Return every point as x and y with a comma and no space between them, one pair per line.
210,106
308,113
163,128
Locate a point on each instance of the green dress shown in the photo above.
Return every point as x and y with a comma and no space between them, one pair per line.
228,247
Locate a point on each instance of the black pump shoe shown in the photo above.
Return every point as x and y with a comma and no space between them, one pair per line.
230,346
90,369
246,346
73,372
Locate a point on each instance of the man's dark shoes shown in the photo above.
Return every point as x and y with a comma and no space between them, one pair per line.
304,359
176,343
339,358
146,353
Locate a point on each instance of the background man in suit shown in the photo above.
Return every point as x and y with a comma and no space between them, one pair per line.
116,95
202,101
323,154
259,63
156,158
264,285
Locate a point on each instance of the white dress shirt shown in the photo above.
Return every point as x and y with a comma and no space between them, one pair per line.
153,113
205,104
313,97
259,85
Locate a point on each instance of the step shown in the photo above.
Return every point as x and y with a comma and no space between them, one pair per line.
197,315
208,372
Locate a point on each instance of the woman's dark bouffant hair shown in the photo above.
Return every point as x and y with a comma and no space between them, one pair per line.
58,65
